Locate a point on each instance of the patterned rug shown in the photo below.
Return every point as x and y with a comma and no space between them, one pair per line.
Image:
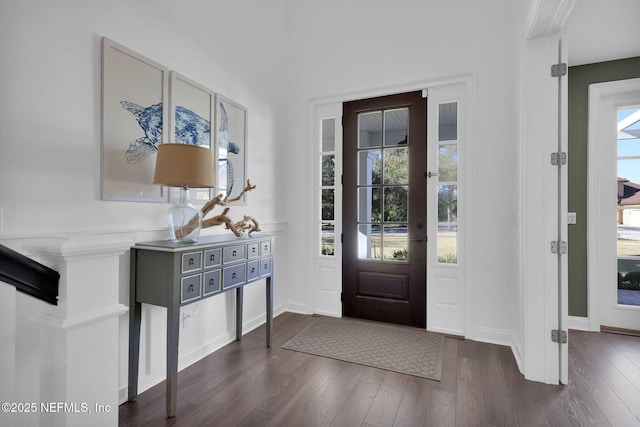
407,351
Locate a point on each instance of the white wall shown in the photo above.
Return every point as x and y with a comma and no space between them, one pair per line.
50,131
340,50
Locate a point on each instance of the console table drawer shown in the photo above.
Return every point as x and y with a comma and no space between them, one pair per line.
265,267
234,253
212,257
211,282
253,270
190,288
232,276
253,250
265,248
191,261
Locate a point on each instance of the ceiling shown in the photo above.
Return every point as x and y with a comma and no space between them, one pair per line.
600,31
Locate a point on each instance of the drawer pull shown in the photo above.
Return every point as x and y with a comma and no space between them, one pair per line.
233,276
211,282
266,247
253,250
234,253
266,266
212,257
190,288
253,269
191,261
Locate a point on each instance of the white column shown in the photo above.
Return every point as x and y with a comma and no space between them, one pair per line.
79,338
7,350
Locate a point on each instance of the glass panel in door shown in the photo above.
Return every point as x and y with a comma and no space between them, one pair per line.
628,218
383,185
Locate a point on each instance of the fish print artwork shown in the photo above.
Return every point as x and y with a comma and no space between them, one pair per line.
190,129
226,147
150,120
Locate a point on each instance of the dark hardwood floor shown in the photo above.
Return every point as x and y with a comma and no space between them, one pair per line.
246,384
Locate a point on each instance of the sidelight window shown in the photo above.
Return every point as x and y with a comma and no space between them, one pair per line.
327,181
447,238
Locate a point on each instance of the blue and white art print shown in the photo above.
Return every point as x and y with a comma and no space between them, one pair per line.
192,115
134,123
231,124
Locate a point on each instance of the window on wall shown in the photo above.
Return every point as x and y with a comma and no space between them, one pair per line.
448,183
327,181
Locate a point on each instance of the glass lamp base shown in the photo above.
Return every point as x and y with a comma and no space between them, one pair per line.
185,220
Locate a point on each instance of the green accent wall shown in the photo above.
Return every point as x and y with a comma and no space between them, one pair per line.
580,77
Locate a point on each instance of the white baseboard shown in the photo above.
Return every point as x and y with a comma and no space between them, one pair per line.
579,323
516,350
494,336
295,308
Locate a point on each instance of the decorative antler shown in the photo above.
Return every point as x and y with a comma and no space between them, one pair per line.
247,223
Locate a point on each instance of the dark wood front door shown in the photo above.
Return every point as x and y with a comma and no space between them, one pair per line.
384,209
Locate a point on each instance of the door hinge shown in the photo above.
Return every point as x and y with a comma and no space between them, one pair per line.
558,246
342,179
559,336
559,158
559,70
341,237
340,296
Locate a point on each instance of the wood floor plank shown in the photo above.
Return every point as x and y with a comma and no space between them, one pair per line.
385,405
247,384
469,396
356,406
333,397
413,407
594,358
498,409
596,392
441,409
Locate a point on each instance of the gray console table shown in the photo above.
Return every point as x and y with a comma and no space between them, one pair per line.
171,275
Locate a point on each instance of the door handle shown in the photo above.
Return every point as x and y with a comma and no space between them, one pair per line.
417,239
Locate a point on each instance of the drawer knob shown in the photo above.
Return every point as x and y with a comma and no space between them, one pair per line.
266,266
234,253
212,258
253,269
190,288
253,250
191,261
233,276
211,282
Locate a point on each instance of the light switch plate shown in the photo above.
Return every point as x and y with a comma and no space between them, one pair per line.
571,218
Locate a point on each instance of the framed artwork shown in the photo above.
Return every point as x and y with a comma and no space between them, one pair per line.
191,115
231,126
134,122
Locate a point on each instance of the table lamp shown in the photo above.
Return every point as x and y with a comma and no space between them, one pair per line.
184,166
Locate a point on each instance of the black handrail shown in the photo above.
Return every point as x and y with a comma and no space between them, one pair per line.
29,276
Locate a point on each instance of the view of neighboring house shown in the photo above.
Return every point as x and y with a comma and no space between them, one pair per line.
628,196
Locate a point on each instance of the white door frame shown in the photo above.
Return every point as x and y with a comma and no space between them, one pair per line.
544,276
604,99
329,268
